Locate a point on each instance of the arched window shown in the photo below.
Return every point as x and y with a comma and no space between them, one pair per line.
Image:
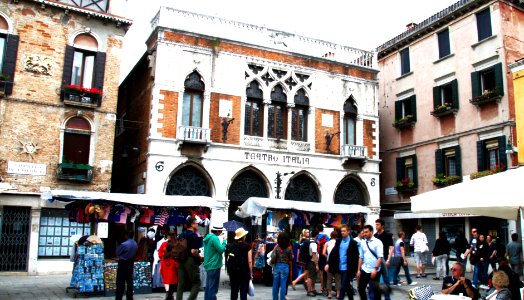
247,184
277,114
299,116
193,101
254,115
77,141
302,188
350,121
188,181
350,192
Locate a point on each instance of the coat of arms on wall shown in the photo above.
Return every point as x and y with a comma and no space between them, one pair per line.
28,146
39,64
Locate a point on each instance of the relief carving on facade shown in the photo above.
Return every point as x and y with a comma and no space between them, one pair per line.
39,64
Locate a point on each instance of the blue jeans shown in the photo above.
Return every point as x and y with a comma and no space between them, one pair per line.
345,286
383,279
406,272
212,283
280,276
476,272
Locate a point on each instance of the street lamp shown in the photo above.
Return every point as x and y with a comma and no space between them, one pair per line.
278,182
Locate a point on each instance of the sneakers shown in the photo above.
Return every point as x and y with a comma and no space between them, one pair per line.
311,294
413,283
436,278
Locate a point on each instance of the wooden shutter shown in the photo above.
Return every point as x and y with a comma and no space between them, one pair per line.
475,85
415,172
483,24
436,97
9,65
413,103
458,161
481,164
100,65
499,81
400,168
443,43
439,167
503,157
454,94
398,110
404,61
68,65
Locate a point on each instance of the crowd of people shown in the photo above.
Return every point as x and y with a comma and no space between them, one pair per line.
368,255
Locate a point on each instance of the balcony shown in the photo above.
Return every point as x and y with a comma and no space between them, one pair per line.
278,144
300,146
75,172
193,136
354,152
76,98
255,141
96,5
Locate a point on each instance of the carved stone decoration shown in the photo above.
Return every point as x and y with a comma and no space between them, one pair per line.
301,97
194,81
39,64
302,188
28,146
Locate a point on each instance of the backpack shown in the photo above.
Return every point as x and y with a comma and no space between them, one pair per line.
180,250
235,259
304,256
320,243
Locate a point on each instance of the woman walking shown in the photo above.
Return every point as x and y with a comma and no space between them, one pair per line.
304,238
440,255
281,271
240,265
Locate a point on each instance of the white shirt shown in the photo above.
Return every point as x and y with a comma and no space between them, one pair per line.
369,261
419,241
312,247
330,245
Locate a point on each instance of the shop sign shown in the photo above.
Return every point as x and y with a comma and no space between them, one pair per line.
24,168
277,158
102,230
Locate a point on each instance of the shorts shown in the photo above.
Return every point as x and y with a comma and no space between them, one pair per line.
322,261
311,271
420,258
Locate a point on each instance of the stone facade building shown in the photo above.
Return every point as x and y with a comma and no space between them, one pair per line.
59,84
447,109
231,110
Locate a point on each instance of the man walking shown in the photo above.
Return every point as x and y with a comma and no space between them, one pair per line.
188,270
126,253
312,265
344,260
400,253
461,245
513,251
473,256
213,254
387,241
369,264
419,241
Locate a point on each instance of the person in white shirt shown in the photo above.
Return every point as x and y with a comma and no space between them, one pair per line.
419,241
369,264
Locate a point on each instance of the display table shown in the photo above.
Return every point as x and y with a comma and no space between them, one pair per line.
141,277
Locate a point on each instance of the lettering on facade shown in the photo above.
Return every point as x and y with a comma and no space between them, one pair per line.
23,168
277,158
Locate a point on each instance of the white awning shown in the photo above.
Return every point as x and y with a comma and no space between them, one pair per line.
136,199
257,207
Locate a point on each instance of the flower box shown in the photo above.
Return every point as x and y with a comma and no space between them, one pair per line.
499,168
487,97
442,180
444,110
405,185
407,121
77,95
75,172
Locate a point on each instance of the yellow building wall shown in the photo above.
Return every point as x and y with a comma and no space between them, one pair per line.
518,89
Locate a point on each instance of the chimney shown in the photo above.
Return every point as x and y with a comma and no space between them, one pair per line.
410,26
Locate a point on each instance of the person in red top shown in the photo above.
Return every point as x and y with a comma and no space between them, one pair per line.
169,265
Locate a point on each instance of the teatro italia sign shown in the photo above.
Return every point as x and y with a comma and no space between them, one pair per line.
277,158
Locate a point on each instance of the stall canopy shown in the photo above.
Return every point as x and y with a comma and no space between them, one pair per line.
498,195
256,207
135,199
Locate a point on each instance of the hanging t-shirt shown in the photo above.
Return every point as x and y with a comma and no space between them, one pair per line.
123,215
145,217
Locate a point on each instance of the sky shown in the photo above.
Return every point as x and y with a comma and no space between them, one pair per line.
363,24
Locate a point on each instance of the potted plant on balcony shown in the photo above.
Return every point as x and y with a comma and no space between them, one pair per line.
444,109
487,96
79,94
498,168
405,185
404,122
442,180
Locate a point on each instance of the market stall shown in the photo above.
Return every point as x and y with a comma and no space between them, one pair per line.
109,215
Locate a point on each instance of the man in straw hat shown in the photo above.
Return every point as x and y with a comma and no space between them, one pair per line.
213,250
239,265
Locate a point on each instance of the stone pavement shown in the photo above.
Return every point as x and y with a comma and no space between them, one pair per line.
54,287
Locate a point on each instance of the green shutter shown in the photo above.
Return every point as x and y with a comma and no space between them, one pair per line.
439,168
499,81
398,110
454,94
458,161
415,172
68,65
481,164
400,168
475,85
503,157
436,97
413,102
9,66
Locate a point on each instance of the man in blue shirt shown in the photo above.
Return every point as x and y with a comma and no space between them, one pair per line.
369,263
344,260
126,253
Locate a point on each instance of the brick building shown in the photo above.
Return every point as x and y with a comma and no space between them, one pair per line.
447,110
231,110
59,83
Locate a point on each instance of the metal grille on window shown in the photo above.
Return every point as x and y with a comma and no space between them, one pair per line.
56,231
248,184
188,181
14,238
302,188
194,81
349,192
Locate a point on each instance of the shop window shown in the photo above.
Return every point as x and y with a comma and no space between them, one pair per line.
404,61
254,110
491,154
448,161
487,83
56,231
483,24
84,66
446,96
443,43
350,122
299,115
193,100
407,175
277,114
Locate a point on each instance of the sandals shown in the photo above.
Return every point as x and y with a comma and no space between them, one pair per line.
293,286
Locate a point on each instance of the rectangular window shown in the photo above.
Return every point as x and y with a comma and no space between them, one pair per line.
450,163
488,82
491,154
253,117
407,170
192,109
299,123
277,123
83,67
55,232
404,61
443,43
406,109
349,129
484,24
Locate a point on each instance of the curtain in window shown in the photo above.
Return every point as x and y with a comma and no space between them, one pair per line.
298,124
192,109
349,128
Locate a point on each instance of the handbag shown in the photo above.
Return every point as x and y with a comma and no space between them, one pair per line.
251,290
423,292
